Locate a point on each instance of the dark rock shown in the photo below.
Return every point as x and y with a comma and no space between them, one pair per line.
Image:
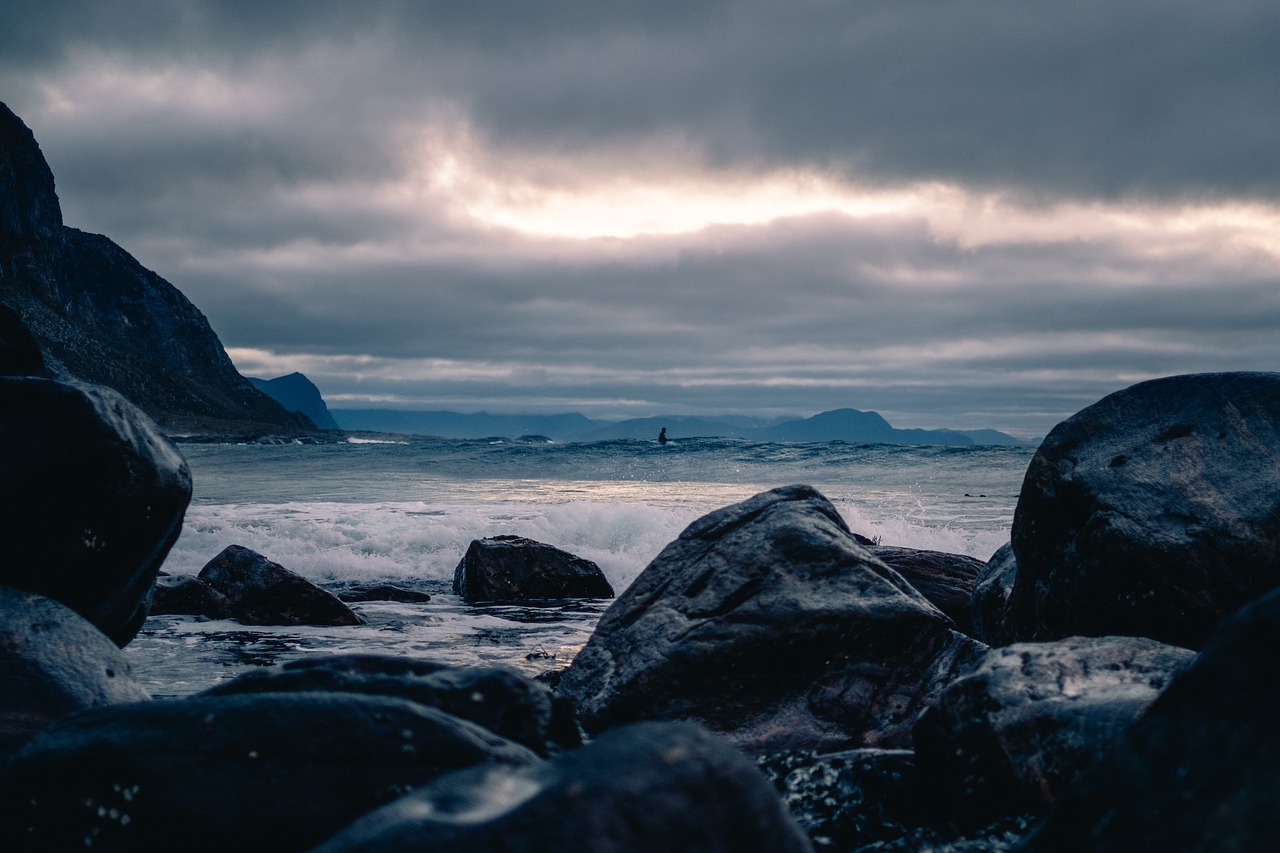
847,800
98,496
500,699
269,771
767,621
100,316
649,788
19,352
1201,769
260,592
945,579
53,662
1030,719
298,394
357,593
994,585
188,596
511,568
1154,512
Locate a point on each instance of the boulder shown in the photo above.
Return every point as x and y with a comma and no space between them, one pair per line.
100,495
275,771
500,699
768,622
991,591
355,593
1154,512
261,592
649,788
1201,769
19,352
53,662
185,595
1030,719
947,580
512,568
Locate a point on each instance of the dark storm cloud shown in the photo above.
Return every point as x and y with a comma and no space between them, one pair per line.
278,162
1085,98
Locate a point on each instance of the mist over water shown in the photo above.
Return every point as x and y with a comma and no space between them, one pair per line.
405,512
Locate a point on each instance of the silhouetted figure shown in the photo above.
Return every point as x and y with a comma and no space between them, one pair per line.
662,436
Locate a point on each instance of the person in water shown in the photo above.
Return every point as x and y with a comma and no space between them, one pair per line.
662,436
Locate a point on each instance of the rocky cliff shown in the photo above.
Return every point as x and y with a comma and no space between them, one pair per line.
101,316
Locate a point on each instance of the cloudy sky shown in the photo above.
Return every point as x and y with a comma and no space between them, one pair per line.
957,213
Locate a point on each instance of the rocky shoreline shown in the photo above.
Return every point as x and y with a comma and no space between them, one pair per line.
771,681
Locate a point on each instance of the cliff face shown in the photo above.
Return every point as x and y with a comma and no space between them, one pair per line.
99,315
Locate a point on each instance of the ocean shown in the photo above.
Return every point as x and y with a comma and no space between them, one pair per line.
403,511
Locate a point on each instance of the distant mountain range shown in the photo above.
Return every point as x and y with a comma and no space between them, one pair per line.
849,425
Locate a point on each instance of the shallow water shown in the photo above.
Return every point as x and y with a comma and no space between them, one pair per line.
404,513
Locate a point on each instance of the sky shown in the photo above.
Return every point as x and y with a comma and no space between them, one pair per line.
956,213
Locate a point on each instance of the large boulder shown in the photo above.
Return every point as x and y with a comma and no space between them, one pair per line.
768,622
262,592
991,592
512,568
1201,769
97,497
268,771
500,699
945,579
52,663
1010,737
19,352
649,788
1153,512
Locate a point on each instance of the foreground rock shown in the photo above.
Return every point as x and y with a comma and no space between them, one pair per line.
52,663
1201,769
269,771
1153,512
98,496
261,592
946,580
1030,719
497,698
19,353
769,623
512,568
650,788
992,589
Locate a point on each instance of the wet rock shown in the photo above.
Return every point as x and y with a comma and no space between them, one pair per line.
847,800
99,493
19,352
281,771
768,622
500,699
53,662
512,568
1201,769
1030,719
649,788
355,593
991,591
262,592
1154,512
947,580
185,595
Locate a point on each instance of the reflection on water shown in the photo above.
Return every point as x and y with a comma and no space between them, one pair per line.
179,655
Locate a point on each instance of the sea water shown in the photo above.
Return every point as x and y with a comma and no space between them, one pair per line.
403,511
